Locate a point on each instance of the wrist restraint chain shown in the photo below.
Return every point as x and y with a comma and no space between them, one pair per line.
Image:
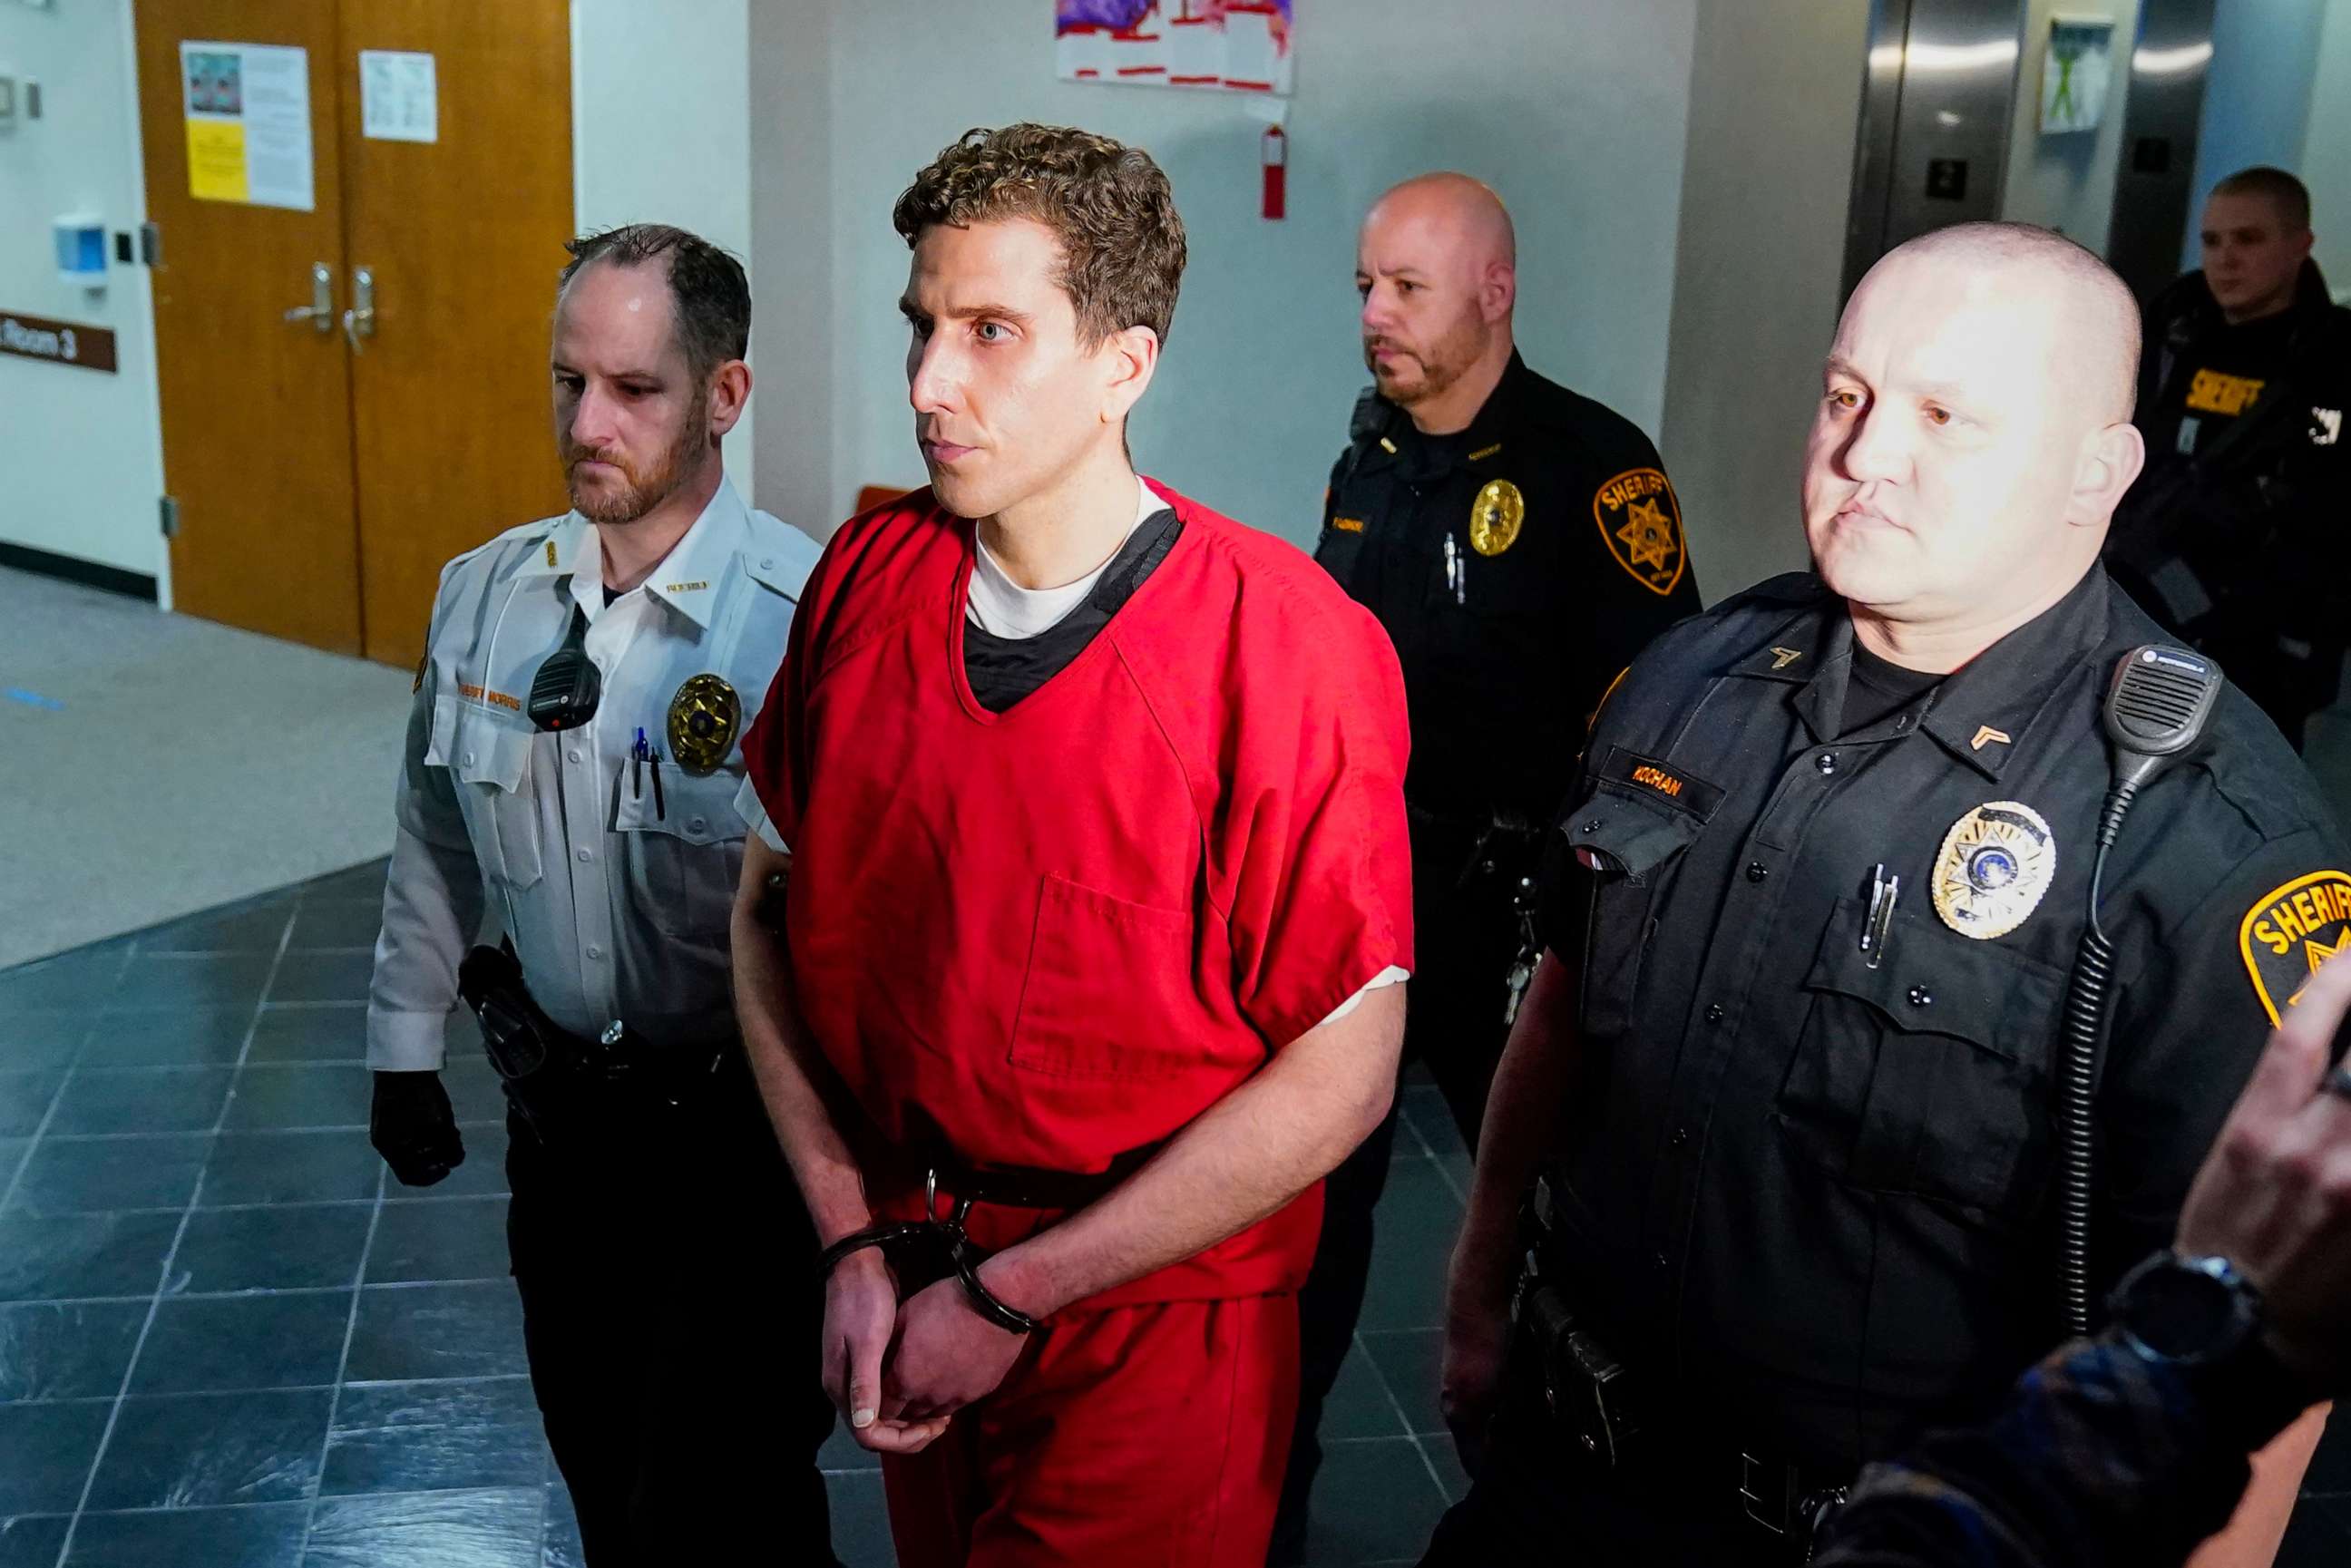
921,1252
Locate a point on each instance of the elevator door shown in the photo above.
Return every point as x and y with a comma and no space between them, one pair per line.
1936,110
2160,114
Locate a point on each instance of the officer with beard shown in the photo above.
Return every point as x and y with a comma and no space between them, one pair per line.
572,753
1521,544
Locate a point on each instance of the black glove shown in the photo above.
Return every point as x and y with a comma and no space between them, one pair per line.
414,1128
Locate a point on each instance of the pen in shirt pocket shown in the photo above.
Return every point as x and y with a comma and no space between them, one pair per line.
1883,891
641,752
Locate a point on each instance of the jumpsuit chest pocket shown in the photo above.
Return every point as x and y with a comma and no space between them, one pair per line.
683,852
1633,847
489,756
1930,1074
1108,992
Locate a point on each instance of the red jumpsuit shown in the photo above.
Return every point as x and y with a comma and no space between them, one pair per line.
1056,935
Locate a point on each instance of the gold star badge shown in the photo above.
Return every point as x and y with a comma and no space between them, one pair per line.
1648,537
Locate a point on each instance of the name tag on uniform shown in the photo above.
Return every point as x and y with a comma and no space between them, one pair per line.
1648,777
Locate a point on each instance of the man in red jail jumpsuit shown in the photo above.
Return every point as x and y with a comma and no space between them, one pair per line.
1097,904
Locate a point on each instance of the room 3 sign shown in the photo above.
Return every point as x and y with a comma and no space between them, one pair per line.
58,342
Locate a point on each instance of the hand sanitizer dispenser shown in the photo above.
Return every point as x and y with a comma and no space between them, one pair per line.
81,250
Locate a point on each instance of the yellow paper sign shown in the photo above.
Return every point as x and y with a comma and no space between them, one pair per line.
217,161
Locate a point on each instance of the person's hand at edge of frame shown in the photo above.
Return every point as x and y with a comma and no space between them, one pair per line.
2274,1195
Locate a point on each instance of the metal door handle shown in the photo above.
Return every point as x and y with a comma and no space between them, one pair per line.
359,322
320,311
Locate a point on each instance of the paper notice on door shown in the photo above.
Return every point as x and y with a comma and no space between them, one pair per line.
400,98
248,113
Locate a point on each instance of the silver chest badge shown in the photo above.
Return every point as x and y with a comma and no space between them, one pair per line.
1995,864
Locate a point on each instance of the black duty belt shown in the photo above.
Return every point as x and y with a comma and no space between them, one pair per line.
553,1076
1604,1411
1782,1496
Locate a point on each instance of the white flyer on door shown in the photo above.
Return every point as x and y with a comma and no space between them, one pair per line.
248,119
399,97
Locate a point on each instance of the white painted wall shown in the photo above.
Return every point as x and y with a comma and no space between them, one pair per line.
661,124
2258,99
81,455
1775,99
791,235
2067,181
2326,162
1575,110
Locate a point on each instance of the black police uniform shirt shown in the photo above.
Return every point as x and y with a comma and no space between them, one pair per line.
2248,475
2203,375
1518,566
1809,1193
2230,368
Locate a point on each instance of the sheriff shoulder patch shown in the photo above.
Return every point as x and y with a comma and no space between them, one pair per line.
2290,931
1641,525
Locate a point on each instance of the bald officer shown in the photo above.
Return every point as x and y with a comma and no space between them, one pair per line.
1519,544
1792,1056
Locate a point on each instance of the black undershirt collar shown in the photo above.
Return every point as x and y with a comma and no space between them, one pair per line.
1003,670
1877,689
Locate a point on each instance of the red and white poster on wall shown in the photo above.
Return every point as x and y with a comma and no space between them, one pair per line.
1238,46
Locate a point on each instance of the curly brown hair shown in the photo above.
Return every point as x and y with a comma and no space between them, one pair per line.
1106,203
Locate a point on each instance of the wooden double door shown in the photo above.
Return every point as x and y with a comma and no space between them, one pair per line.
355,392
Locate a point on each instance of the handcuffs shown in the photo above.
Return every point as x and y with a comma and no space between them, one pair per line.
921,1252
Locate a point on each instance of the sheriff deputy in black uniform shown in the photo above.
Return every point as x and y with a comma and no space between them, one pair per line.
2235,535
1793,1051
1521,544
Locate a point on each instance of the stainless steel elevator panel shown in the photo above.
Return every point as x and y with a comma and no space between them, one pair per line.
2165,104
1937,107
1873,153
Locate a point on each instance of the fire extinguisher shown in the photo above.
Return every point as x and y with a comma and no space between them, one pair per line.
1273,159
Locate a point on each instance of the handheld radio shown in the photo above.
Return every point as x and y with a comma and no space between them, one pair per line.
566,692
2155,709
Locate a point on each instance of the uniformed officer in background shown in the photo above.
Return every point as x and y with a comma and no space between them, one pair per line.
2236,534
573,745
1796,1041
1519,543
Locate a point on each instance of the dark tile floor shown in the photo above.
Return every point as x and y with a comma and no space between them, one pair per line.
226,1341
